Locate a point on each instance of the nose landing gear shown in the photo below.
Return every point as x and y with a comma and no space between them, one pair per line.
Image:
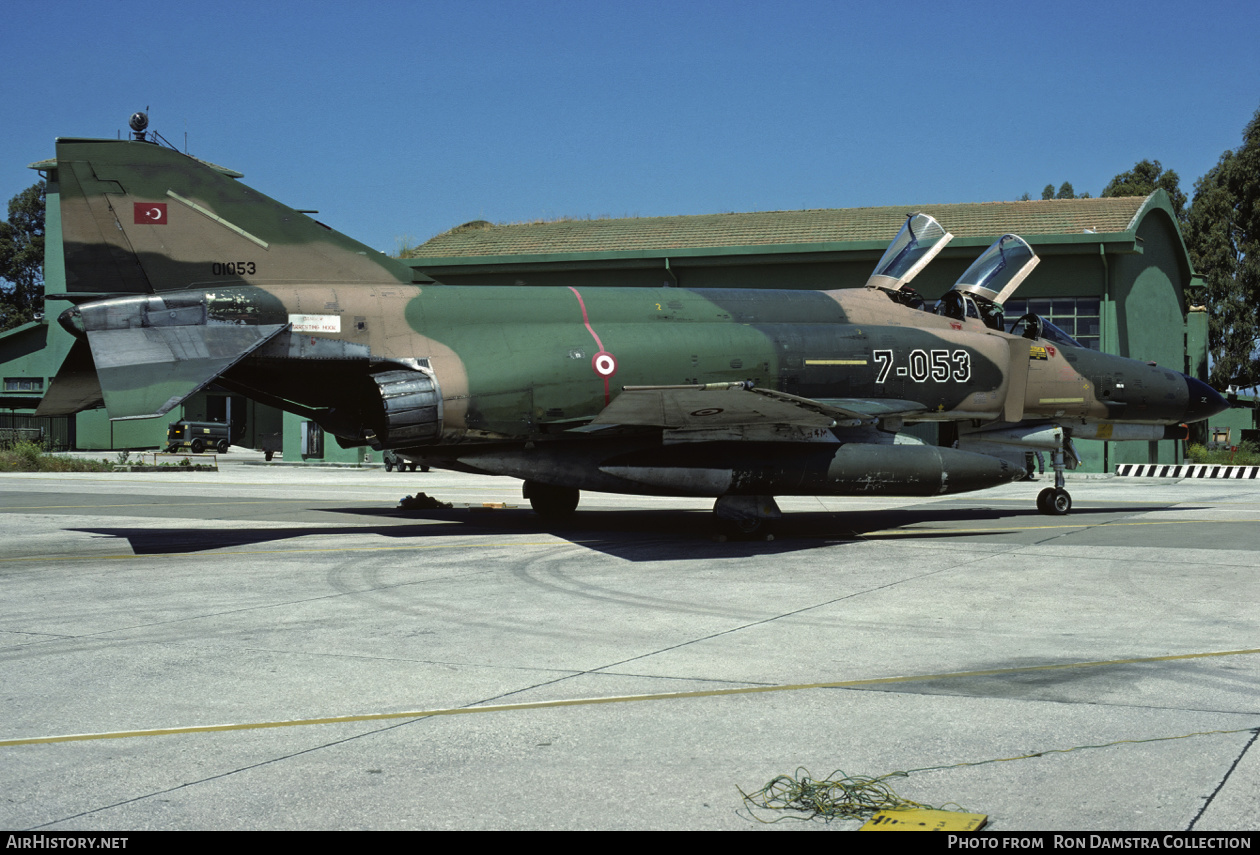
1056,501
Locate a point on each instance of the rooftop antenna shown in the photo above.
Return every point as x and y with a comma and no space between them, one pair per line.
139,121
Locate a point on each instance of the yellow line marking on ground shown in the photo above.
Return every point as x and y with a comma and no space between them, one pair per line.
616,699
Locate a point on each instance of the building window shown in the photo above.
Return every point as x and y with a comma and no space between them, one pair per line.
1076,316
24,384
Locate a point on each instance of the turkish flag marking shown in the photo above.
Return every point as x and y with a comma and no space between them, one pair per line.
151,213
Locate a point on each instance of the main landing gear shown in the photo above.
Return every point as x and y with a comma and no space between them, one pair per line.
551,502
746,517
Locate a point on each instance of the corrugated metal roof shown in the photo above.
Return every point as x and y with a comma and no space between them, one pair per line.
833,225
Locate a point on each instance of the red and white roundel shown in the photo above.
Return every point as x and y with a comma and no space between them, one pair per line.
604,363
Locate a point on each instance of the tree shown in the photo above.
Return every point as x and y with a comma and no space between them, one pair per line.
1065,191
22,258
1223,235
1145,178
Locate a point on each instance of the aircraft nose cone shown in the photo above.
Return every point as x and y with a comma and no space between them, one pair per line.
1203,401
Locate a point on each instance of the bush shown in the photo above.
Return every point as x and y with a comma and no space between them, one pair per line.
29,456
1246,455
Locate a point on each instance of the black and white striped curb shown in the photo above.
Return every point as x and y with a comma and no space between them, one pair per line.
1186,470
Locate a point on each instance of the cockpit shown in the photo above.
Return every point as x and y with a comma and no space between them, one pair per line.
960,305
920,240
992,278
979,293
1037,327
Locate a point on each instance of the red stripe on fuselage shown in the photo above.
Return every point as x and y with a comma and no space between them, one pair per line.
586,320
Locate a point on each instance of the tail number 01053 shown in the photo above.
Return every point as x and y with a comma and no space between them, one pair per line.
921,366
233,268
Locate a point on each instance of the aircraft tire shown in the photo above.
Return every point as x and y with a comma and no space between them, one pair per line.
744,529
1061,504
389,464
551,502
1054,502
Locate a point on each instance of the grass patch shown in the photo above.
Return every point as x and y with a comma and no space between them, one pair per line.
30,457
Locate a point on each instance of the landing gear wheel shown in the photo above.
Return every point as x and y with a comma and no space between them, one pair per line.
389,464
744,529
1054,501
745,517
551,502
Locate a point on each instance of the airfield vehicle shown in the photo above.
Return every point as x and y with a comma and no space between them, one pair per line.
393,460
197,437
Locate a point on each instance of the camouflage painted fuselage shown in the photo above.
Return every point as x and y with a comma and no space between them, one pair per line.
513,362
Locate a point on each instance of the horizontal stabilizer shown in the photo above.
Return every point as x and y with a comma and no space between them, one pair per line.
146,371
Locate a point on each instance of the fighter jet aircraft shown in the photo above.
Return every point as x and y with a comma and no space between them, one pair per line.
736,394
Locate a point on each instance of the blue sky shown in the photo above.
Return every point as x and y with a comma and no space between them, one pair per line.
399,120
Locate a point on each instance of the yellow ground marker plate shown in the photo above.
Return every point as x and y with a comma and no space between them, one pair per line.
925,820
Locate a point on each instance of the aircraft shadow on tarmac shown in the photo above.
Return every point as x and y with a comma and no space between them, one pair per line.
634,535
1069,679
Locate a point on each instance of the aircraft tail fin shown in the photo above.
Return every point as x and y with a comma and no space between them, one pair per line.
140,218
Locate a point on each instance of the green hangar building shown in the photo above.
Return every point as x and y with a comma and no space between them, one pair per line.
1114,273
